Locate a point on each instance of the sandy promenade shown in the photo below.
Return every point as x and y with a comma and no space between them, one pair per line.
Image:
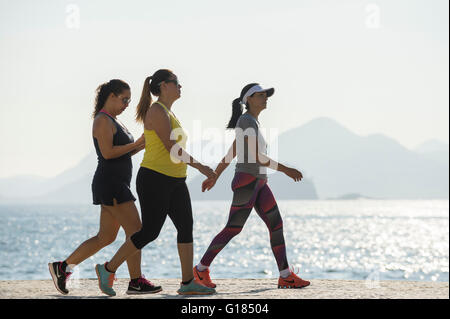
238,288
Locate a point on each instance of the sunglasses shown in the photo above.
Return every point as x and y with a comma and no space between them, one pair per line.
125,100
174,81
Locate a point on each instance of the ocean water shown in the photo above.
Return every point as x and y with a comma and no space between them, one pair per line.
349,239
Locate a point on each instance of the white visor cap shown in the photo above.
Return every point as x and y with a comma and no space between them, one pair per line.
257,89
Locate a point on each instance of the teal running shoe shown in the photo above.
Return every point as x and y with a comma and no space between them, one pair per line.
195,288
105,280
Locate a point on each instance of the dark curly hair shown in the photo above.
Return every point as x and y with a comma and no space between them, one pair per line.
104,90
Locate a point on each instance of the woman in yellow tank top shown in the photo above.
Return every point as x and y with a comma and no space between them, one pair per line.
161,183
157,157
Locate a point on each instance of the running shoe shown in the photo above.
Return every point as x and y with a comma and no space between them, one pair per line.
143,286
59,276
292,281
105,280
195,288
203,277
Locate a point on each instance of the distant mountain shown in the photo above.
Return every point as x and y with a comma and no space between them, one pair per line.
432,145
32,186
341,162
352,196
336,163
76,192
62,188
434,150
24,184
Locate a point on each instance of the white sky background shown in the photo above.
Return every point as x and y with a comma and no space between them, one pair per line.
322,57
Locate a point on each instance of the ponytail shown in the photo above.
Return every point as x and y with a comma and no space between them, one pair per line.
237,106
151,86
144,102
101,97
104,90
237,112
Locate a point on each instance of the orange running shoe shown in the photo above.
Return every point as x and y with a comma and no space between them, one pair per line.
203,278
292,281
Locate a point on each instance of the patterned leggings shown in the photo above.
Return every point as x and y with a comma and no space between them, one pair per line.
250,192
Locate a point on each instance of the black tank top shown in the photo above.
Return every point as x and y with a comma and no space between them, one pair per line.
115,168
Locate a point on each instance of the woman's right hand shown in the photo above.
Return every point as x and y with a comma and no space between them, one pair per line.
294,174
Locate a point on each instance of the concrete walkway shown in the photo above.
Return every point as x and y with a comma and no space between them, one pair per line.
237,288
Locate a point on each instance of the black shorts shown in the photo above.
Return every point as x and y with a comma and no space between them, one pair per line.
106,188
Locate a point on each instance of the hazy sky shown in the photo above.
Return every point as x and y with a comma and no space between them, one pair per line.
376,66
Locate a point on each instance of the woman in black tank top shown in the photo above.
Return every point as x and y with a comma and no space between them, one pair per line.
110,187
113,175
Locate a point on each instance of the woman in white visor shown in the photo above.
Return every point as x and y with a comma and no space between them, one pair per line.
250,188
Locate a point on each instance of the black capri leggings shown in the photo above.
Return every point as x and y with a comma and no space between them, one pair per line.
161,195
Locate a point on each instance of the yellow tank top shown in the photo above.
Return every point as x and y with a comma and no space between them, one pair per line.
157,158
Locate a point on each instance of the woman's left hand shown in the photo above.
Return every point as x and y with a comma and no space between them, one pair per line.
208,184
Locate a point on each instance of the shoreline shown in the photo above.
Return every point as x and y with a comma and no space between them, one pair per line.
235,289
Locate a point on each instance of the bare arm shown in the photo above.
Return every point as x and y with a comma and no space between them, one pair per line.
266,161
226,160
262,159
103,131
160,122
